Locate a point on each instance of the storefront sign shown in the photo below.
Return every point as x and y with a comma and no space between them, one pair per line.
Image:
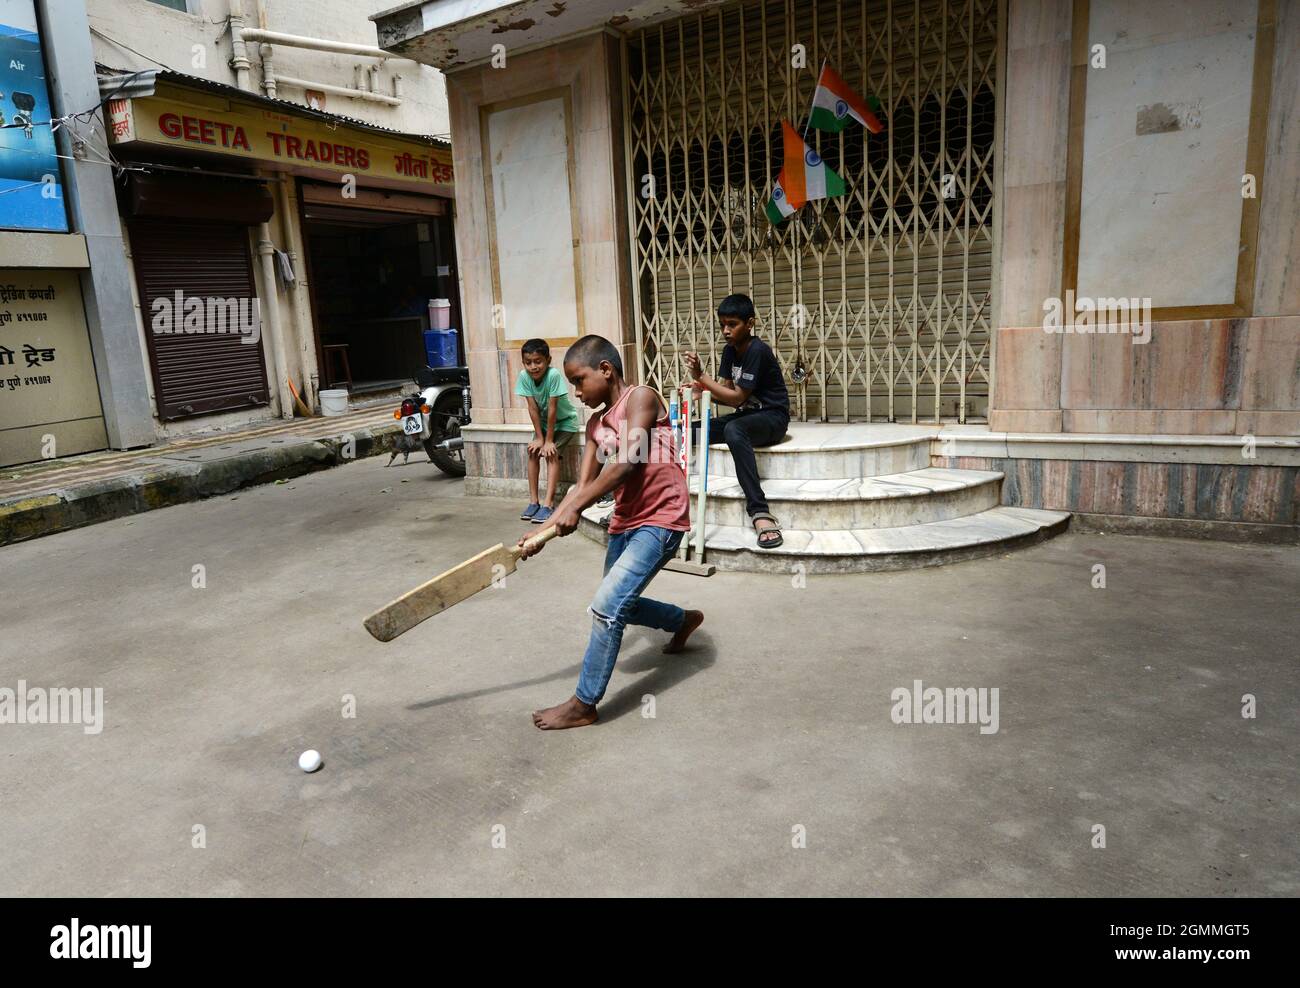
265,135
49,399
31,184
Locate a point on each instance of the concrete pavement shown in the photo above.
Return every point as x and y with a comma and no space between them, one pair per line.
53,496
1119,707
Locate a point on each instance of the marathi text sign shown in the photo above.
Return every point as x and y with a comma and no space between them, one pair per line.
49,398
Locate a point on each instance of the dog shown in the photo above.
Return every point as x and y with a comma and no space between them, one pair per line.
405,445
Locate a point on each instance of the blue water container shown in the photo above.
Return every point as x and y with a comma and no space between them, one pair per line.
440,347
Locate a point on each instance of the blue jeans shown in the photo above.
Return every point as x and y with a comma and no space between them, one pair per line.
631,561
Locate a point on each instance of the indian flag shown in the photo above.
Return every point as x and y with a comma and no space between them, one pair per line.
804,177
834,103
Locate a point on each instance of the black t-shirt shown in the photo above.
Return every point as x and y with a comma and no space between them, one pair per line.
758,373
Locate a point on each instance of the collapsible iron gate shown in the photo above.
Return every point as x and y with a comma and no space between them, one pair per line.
878,301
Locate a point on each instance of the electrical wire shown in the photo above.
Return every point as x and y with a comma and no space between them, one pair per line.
147,58
19,188
87,116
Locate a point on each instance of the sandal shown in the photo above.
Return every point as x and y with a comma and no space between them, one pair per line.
768,538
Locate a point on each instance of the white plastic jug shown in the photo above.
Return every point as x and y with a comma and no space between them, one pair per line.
439,313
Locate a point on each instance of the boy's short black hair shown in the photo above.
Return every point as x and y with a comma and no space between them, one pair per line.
591,350
737,306
536,346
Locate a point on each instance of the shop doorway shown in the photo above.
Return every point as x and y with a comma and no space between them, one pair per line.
374,264
206,372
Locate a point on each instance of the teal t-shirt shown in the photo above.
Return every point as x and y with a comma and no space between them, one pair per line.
551,385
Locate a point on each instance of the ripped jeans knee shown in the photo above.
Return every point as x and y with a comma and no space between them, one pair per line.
609,617
604,620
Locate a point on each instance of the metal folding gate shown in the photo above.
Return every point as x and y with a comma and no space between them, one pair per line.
877,302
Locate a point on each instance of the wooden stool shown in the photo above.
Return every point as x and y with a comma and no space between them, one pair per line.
333,352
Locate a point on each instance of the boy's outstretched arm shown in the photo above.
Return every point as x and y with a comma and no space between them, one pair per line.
723,390
552,410
535,444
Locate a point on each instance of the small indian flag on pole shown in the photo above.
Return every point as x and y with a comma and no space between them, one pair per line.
834,103
804,177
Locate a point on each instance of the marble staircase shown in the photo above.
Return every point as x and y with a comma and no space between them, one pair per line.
857,498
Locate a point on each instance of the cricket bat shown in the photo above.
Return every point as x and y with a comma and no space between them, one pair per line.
450,588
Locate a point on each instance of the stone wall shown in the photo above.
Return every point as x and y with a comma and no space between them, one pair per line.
1234,375
584,70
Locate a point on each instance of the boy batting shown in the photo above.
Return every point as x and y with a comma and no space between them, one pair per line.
630,452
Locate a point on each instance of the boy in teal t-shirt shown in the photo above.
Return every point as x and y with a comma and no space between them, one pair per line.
547,395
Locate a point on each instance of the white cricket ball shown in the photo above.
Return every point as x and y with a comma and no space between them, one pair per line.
309,760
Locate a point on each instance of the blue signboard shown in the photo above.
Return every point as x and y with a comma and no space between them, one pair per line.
31,183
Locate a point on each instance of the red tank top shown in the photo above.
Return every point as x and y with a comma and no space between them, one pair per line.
655,493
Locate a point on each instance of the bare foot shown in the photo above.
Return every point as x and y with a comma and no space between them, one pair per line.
693,620
571,713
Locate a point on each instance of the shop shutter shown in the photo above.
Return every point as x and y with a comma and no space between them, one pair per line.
197,374
882,296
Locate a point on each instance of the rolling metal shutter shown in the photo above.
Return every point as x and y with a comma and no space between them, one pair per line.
881,297
196,374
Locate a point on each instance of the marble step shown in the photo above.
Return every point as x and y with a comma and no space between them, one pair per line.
731,547
786,461
894,500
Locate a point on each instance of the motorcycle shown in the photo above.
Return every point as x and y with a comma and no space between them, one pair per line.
432,418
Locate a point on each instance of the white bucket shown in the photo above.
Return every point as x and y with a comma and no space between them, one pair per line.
440,313
334,402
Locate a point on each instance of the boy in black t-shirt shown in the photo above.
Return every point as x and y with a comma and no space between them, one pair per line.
750,380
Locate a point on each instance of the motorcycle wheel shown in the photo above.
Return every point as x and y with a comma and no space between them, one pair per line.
444,424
